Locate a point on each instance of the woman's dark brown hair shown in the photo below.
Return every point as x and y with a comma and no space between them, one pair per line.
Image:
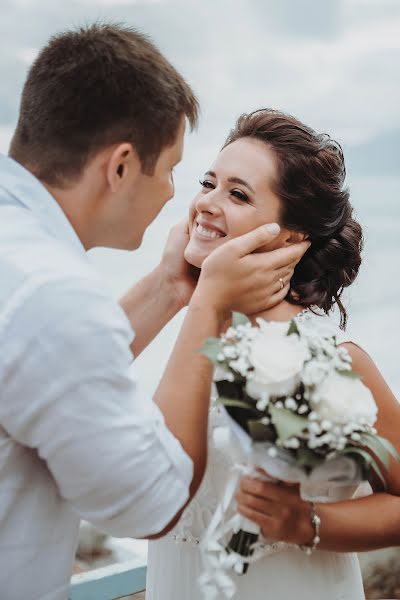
311,186
93,87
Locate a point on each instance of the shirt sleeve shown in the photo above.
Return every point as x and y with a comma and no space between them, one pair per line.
70,391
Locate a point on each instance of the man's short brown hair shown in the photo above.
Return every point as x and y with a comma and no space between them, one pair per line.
93,87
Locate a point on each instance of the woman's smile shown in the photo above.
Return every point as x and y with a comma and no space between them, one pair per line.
208,231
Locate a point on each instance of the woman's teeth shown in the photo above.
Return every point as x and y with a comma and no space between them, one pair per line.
208,233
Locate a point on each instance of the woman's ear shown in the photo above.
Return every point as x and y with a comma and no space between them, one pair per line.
294,237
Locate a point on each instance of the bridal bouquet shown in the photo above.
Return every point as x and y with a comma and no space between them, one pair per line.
303,415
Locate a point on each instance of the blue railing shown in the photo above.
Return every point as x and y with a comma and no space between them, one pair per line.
109,583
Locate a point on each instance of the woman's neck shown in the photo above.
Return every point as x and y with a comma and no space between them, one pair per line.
284,311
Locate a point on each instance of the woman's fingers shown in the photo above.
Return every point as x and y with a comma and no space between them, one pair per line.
262,505
277,509
266,523
269,490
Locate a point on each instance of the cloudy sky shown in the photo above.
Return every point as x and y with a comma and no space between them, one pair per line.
334,63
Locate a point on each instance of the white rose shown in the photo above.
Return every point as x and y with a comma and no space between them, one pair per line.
342,399
277,360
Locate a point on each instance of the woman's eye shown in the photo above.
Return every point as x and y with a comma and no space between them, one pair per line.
207,184
239,195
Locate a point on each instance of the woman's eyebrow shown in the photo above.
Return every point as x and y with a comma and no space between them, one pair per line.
233,180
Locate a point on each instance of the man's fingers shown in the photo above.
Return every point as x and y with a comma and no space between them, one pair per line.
281,262
247,243
283,257
182,226
285,273
280,293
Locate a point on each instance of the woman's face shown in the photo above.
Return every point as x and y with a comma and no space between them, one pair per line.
235,197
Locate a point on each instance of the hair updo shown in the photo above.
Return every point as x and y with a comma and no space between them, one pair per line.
311,186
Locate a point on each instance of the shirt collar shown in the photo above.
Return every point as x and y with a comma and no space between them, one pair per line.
28,190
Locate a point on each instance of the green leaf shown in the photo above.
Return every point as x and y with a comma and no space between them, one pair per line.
349,374
260,432
376,447
211,349
234,402
239,319
390,448
293,328
307,458
368,459
287,423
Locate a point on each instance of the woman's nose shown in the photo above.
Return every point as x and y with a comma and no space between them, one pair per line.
208,202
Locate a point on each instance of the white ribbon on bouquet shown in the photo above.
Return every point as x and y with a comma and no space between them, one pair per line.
336,479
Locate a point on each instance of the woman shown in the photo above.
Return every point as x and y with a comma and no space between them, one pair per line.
273,168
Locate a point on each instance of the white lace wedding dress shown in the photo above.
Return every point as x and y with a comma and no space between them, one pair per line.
174,562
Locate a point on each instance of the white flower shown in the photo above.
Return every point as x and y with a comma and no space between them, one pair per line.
343,399
240,366
314,372
230,334
277,360
314,427
229,352
262,402
344,354
292,443
291,404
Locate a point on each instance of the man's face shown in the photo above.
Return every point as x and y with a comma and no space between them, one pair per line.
143,196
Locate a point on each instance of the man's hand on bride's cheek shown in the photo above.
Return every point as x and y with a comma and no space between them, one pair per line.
180,277
235,277
277,508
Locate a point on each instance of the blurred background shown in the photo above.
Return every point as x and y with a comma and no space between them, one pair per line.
334,64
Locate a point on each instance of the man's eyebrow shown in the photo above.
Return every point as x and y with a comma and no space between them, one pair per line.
233,180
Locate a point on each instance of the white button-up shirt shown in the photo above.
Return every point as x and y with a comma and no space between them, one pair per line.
78,436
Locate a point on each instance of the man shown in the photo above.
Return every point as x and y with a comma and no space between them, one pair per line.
101,127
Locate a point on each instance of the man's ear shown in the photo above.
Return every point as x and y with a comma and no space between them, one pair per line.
122,162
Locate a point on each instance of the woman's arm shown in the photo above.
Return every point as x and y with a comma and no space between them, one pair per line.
350,526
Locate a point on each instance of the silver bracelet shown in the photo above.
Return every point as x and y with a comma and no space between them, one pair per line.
316,522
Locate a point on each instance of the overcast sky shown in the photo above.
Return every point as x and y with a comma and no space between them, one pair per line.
333,63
